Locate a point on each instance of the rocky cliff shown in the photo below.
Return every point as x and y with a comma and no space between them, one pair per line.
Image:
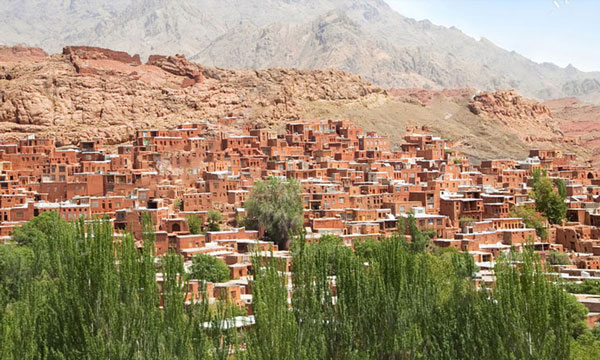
88,91
508,106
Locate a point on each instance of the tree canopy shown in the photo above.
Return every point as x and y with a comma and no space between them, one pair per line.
547,200
208,268
214,219
275,205
76,293
194,224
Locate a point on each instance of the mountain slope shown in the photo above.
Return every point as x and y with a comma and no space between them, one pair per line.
365,37
89,92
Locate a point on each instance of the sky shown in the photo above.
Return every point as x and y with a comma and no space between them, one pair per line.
560,31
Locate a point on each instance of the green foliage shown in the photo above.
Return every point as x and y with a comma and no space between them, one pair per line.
465,221
213,220
194,223
16,263
547,201
585,348
366,249
40,228
562,188
331,239
208,268
240,220
430,233
79,294
576,316
178,204
392,309
591,287
557,258
276,206
462,262
531,219
587,345
419,240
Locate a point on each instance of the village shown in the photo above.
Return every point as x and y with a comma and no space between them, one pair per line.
355,186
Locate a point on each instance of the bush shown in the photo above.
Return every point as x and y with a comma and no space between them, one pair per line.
558,258
208,268
214,219
194,223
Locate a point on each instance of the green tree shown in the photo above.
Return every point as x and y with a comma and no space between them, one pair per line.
240,220
41,227
531,218
88,296
561,186
586,347
419,240
178,204
84,295
331,239
576,316
213,220
548,201
366,249
194,223
16,263
275,205
208,268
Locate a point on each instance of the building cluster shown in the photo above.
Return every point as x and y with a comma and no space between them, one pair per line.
354,185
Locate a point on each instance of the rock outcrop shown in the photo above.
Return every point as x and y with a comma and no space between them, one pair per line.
83,57
86,92
508,106
180,66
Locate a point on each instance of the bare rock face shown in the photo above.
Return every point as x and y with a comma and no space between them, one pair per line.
21,53
88,92
508,106
96,53
82,57
178,65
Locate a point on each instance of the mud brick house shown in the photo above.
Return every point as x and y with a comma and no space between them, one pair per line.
355,184
456,208
424,221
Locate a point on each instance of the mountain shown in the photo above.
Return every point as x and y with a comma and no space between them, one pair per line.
364,37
